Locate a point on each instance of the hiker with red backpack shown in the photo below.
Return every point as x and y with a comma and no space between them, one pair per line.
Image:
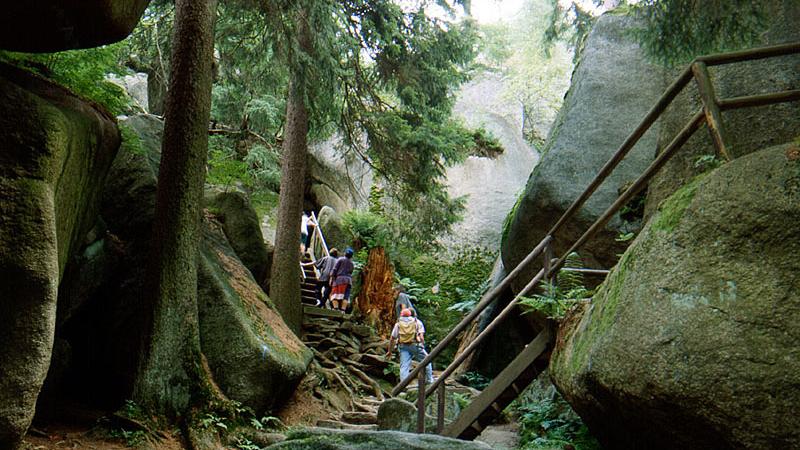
409,334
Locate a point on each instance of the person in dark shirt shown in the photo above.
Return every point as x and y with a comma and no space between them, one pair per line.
325,266
402,301
341,279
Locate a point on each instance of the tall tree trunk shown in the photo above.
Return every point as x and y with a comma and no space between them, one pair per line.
285,276
169,372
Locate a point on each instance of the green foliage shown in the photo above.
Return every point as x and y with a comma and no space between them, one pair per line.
246,444
224,169
707,162
569,22
209,419
367,228
131,438
550,423
675,31
486,145
438,283
475,380
625,237
556,299
536,72
375,200
510,218
131,142
263,165
81,71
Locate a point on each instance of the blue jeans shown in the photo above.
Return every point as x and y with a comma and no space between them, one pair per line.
416,352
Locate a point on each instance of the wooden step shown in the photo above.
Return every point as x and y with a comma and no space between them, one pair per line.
507,386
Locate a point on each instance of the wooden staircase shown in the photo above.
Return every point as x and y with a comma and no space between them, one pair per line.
535,357
507,386
308,285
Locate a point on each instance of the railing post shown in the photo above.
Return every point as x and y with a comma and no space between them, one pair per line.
710,108
547,255
440,410
421,402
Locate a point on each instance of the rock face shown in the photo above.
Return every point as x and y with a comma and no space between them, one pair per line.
56,152
251,354
341,182
748,129
333,230
254,357
491,184
242,228
612,89
47,26
136,87
692,340
325,438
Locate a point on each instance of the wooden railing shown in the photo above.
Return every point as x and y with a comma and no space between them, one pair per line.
317,237
709,114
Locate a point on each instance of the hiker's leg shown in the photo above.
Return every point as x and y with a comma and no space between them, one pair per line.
419,355
405,361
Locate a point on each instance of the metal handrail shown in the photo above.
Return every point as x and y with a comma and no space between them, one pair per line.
709,115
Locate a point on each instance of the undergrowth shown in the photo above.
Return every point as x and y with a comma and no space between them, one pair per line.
550,423
555,299
445,289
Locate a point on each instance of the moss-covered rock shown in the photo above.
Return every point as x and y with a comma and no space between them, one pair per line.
602,106
691,342
747,129
243,229
254,357
328,439
56,150
48,26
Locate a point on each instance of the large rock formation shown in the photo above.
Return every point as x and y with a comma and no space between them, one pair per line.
612,89
56,152
254,357
692,340
324,438
242,228
336,236
747,130
492,184
338,180
48,26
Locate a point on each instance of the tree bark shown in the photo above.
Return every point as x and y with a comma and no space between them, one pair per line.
376,298
169,372
285,276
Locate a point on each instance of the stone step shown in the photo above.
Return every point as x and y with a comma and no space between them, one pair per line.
359,417
328,313
335,424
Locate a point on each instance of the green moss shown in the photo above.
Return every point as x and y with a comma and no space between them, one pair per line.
671,210
264,202
510,218
603,314
131,142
